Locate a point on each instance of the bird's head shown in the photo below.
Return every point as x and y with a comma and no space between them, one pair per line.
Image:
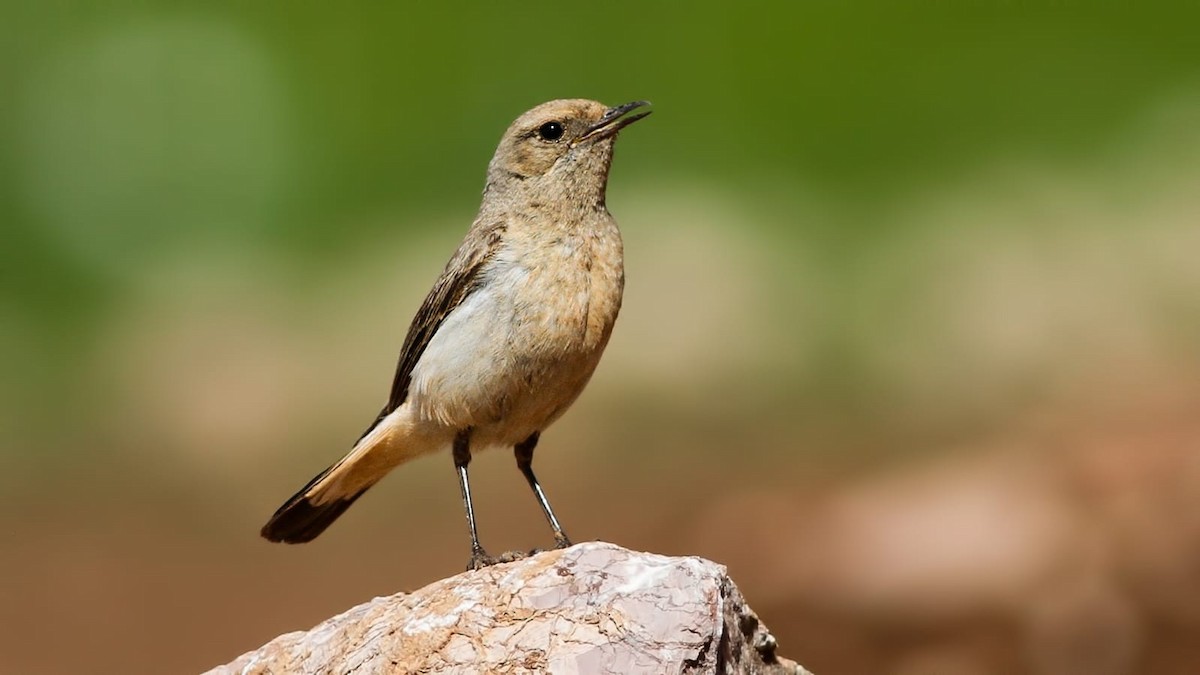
561,148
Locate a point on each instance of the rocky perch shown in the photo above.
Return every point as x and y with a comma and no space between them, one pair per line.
591,608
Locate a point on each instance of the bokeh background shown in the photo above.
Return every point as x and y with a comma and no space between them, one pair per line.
910,339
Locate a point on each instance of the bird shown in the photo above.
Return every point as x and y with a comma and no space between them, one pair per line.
512,329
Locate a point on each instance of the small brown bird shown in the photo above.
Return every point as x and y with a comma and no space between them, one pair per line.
514,326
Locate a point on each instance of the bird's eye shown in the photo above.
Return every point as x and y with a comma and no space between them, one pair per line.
550,131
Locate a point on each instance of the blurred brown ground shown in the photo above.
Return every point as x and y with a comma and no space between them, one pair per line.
1069,545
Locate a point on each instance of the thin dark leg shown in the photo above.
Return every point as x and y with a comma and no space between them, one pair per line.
524,453
462,457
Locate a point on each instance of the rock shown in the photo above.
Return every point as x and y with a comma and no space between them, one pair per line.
591,608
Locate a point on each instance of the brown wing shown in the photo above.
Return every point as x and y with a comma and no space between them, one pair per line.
458,280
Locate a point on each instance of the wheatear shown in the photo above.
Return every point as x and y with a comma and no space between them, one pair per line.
513,328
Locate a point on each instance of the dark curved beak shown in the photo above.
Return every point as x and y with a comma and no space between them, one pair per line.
614,120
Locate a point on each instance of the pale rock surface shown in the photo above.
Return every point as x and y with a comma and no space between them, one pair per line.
591,608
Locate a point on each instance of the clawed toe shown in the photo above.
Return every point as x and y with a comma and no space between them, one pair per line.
479,560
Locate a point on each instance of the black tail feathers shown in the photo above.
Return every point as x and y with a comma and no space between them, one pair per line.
299,520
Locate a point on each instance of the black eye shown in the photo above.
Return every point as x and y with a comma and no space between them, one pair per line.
550,131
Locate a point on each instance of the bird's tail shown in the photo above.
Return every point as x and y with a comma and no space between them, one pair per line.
391,442
310,510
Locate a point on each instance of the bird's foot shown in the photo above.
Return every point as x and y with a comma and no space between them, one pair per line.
480,559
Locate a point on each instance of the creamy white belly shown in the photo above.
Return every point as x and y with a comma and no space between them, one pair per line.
518,351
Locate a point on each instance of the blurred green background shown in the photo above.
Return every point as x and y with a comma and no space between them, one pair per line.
909,340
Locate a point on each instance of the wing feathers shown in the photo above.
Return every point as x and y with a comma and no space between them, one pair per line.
458,280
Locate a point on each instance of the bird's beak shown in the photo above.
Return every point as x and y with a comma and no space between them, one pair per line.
614,120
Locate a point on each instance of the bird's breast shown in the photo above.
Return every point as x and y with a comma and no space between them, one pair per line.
521,347
568,291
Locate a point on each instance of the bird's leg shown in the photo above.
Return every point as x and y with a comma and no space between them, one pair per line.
524,453
462,457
